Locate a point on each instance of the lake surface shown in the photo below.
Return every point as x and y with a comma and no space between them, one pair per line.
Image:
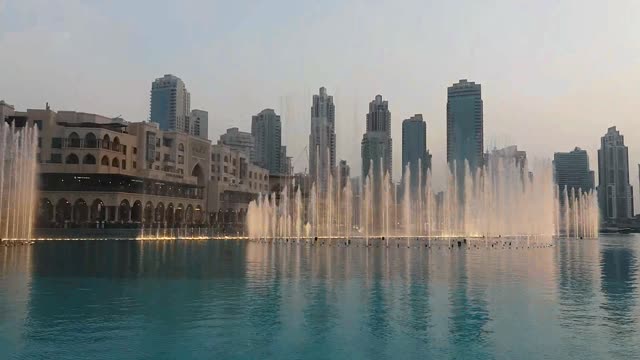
232,299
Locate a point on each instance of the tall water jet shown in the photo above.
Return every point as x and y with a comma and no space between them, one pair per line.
18,191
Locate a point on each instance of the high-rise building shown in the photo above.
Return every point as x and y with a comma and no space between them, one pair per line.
267,133
322,140
414,149
285,162
199,123
376,146
345,172
615,194
464,124
239,141
170,103
571,171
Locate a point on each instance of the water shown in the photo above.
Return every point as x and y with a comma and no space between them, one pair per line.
501,199
239,299
18,191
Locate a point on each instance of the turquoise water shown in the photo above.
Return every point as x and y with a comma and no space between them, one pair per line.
246,300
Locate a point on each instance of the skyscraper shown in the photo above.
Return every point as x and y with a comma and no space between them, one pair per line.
414,148
199,123
615,194
240,141
170,103
267,133
571,171
376,146
322,140
464,124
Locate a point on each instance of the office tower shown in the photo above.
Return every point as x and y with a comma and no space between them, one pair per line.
285,162
464,124
322,140
239,141
615,194
376,146
267,133
199,123
170,103
414,149
571,171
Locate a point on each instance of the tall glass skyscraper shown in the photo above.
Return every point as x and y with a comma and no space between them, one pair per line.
376,146
414,149
465,124
615,194
267,133
170,104
322,140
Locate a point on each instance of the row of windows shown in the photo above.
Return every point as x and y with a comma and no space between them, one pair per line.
90,160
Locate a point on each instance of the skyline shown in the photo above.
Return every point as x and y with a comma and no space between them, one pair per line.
570,78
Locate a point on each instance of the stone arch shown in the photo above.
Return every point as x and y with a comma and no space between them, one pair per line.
136,211
63,211
106,141
90,140
181,147
98,210
148,213
124,211
115,144
199,174
89,159
45,211
179,215
198,215
104,161
72,159
73,140
188,215
115,162
80,211
169,214
159,213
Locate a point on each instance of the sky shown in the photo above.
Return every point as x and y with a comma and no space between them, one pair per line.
554,74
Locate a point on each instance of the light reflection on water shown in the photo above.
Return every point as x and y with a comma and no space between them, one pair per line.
240,299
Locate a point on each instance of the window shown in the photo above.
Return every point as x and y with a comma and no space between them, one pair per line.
135,165
157,156
225,179
180,159
56,159
124,149
180,147
167,157
72,159
39,142
104,161
226,169
135,150
226,159
89,159
124,164
56,143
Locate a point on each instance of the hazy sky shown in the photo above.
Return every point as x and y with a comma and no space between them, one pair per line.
554,74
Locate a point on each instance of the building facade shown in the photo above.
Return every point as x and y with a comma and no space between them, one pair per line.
571,171
170,104
322,140
6,110
465,124
615,194
234,182
239,141
198,123
267,133
415,155
94,169
376,145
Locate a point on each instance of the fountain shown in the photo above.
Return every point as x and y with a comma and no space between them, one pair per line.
502,199
18,190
